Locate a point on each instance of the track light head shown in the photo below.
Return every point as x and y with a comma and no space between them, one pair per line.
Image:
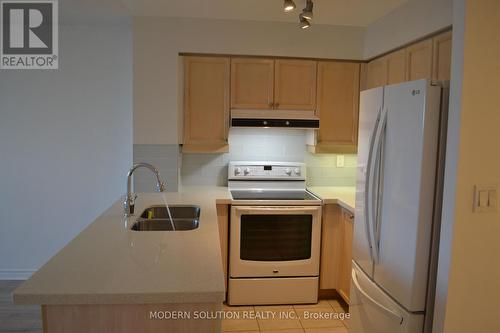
304,23
307,12
288,6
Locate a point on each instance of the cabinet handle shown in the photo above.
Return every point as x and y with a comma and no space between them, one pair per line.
271,105
277,105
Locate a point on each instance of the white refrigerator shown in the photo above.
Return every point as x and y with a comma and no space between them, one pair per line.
400,145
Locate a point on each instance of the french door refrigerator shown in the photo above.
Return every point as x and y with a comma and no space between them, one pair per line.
400,145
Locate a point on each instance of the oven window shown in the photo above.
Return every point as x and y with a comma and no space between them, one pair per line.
275,237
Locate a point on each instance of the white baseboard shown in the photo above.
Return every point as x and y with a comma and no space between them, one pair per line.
22,274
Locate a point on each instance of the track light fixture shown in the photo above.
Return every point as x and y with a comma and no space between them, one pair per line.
305,16
304,23
288,6
307,12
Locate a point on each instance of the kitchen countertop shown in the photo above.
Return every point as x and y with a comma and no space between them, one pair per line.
109,264
344,196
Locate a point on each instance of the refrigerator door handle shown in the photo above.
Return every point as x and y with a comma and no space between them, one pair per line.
375,203
391,313
368,189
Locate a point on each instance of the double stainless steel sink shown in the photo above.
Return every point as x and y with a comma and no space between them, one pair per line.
155,218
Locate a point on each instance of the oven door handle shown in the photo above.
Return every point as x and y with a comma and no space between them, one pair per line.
278,210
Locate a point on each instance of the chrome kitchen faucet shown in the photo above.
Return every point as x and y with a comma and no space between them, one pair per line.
129,203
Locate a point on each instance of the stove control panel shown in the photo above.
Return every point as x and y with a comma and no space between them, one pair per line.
267,170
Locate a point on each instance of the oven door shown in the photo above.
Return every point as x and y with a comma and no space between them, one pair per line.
274,241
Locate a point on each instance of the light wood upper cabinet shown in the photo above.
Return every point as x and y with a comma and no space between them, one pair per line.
376,73
252,83
427,59
344,282
419,60
441,63
337,103
295,84
396,67
206,104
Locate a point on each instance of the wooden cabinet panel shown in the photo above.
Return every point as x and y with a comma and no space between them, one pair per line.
396,67
252,83
223,221
376,73
331,245
206,103
337,102
419,60
295,84
346,263
441,62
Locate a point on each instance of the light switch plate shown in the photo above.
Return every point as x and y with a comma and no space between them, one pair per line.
340,161
485,198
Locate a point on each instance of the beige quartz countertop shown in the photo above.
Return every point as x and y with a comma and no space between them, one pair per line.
107,263
343,195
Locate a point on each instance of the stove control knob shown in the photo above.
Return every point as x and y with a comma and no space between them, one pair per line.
237,171
288,171
246,171
297,171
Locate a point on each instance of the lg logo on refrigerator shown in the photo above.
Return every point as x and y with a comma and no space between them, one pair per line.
29,37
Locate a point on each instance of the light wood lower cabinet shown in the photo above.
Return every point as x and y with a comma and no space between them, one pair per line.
336,250
223,221
129,318
206,104
331,245
346,257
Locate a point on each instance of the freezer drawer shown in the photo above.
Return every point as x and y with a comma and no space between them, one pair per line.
372,311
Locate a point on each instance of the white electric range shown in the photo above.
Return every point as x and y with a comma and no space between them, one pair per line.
275,233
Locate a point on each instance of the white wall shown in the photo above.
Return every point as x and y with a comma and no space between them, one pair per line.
474,274
65,143
450,180
411,21
158,41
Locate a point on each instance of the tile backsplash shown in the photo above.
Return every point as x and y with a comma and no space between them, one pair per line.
269,145
164,157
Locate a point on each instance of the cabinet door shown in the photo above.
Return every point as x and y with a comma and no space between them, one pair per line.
346,263
376,75
252,83
331,247
441,62
396,67
295,85
206,104
419,60
337,102
223,221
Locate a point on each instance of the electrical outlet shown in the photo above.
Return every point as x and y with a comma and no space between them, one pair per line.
340,161
485,199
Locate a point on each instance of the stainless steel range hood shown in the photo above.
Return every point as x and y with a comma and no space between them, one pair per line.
274,118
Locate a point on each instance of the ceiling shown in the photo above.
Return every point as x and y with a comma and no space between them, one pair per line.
332,12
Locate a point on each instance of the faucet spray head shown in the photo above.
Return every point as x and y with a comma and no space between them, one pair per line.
161,187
